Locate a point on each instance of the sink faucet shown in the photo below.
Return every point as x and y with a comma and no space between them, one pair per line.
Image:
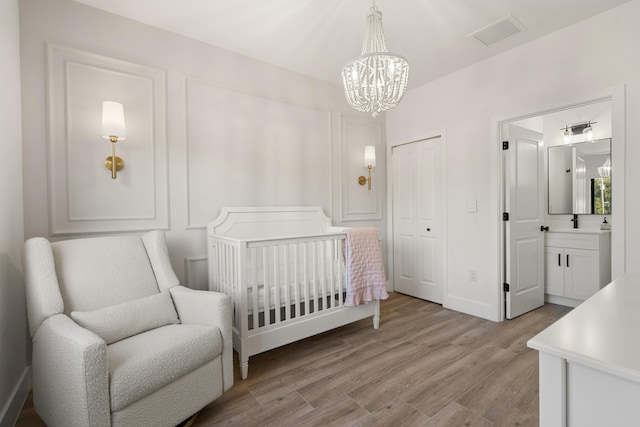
575,220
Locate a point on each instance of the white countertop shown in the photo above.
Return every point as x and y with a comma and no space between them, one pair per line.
602,333
578,230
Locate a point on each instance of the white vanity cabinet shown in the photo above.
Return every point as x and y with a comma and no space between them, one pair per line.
577,265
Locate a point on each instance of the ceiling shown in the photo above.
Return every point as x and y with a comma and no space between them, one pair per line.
317,37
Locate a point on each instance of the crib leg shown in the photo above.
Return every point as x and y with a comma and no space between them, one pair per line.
376,315
244,368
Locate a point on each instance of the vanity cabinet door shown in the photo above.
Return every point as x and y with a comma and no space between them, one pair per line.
554,271
581,273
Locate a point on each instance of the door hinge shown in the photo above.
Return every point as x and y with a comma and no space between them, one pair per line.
505,145
505,287
505,216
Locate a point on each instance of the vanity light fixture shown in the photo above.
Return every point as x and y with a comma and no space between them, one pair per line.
369,162
113,130
583,129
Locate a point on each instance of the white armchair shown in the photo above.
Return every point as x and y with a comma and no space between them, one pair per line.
116,340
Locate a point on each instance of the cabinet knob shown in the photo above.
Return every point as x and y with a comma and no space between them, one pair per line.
543,228
428,229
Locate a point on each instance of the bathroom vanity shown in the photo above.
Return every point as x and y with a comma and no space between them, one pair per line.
577,264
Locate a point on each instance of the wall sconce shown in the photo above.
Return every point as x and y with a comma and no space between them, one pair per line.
113,130
369,162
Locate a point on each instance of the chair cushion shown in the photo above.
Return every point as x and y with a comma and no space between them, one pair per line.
121,321
99,272
146,362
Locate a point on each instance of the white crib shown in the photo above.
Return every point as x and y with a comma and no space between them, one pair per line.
284,270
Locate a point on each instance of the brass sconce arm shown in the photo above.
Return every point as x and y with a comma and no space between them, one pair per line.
362,180
109,162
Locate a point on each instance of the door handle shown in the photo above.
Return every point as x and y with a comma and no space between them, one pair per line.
567,260
543,228
559,260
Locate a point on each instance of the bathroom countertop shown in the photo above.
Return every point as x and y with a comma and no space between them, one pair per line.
578,230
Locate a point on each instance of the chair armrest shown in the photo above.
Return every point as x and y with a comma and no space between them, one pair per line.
70,374
208,308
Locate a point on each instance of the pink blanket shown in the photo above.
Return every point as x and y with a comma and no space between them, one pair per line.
365,271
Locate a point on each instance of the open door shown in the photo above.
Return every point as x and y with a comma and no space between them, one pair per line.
524,215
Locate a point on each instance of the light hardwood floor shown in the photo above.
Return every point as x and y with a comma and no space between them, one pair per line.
425,366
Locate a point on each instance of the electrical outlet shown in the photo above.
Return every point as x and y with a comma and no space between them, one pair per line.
473,275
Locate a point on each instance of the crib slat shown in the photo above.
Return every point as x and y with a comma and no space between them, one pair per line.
265,280
254,288
323,272
305,278
287,284
276,282
296,278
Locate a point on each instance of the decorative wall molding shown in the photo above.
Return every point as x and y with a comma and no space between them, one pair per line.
357,203
196,273
248,149
83,198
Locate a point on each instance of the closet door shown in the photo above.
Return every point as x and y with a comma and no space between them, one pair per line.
417,242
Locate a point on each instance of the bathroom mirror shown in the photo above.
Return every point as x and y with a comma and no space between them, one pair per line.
579,178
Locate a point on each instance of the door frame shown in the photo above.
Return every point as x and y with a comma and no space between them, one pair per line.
443,209
616,95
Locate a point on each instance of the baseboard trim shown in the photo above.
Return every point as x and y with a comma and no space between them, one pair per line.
13,407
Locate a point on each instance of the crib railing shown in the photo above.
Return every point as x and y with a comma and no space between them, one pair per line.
276,280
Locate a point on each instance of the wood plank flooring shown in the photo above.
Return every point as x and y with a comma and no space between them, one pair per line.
425,366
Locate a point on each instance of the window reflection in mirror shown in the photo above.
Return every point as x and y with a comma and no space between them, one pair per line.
580,178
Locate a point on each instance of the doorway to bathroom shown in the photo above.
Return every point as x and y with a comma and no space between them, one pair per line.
531,192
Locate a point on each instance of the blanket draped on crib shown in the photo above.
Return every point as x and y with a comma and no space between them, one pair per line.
364,267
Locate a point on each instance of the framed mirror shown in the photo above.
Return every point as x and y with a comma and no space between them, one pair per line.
579,178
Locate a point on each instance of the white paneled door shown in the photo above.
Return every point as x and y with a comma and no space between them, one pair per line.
524,238
417,234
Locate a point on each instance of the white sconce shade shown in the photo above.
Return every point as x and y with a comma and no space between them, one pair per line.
370,156
113,120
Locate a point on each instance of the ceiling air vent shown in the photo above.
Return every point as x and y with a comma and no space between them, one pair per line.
499,30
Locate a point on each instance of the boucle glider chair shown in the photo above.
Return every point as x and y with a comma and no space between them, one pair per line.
116,340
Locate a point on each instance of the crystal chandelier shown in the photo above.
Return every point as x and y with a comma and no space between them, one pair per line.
376,80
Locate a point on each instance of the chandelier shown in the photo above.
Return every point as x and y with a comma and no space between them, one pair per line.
605,170
376,80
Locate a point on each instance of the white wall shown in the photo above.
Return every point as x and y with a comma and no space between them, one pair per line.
572,63
206,128
14,383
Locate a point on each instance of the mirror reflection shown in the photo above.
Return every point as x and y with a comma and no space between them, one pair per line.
580,178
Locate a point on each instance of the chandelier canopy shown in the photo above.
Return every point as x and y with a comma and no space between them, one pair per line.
376,80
